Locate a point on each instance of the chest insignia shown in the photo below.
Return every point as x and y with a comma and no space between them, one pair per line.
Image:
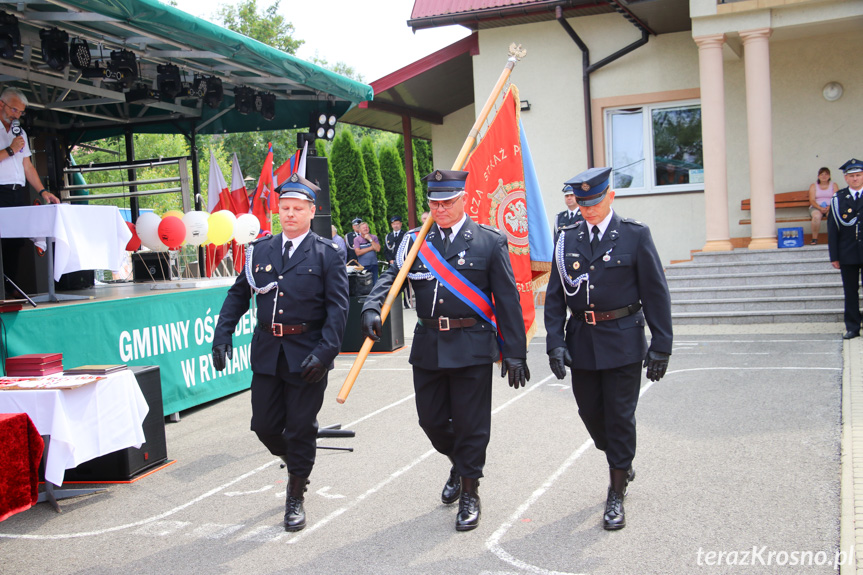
268,268
576,265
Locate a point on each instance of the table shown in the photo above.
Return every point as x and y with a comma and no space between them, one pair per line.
83,423
20,454
80,237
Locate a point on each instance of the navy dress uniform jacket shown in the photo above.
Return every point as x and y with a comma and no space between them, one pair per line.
632,274
312,288
564,219
845,242
391,244
486,264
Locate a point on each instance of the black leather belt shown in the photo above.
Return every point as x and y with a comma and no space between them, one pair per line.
11,187
280,329
447,323
591,317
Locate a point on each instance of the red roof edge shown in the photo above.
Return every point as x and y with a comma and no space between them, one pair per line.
468,45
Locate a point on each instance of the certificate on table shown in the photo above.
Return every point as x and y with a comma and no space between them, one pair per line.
85,237
85,422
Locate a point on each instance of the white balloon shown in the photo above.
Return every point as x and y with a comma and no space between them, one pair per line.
196,227
148,230
246,229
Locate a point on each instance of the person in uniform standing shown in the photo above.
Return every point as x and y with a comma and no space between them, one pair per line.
391,244
350,236
609,275
571,214
456,343
302,296
845,241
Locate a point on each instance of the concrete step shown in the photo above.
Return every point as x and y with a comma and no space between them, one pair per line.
833,289
763,316
763,277
743,254
815,304
784,265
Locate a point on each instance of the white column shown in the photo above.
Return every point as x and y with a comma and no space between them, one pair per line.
756,50
712,77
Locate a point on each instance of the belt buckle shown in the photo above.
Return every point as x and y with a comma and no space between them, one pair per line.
277,330
590,318
443,324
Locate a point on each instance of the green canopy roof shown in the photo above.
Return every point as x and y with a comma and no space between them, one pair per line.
157,34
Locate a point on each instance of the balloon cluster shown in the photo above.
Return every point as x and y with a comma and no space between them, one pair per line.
175,229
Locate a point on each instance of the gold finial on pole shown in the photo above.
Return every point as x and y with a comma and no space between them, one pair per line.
516,51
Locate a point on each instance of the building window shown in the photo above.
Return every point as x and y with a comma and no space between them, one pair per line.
655,148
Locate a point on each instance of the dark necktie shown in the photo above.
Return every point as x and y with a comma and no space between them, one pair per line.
595,241
287,253
445,232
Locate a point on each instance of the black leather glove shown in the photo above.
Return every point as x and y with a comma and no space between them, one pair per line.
313,369
656,363
372,324
517,369
220,351
559,359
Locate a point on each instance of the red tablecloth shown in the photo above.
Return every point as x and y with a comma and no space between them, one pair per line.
20,452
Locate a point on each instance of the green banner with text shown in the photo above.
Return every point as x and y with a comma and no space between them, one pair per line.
171,330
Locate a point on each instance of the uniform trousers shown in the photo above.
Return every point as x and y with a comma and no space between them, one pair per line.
454,408
606,401
850,285
284,415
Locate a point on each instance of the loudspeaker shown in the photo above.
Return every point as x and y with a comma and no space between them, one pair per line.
321,225
71,281
317,173
127,463
393,331
153,266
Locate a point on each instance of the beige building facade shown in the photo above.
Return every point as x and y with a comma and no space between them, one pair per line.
776,84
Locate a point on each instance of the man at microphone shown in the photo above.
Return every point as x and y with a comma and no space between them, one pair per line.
16,169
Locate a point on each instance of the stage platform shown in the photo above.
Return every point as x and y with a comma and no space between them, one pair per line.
168,323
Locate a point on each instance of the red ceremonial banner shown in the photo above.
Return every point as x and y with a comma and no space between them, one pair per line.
496,195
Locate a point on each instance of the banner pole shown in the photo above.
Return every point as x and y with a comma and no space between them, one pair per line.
516,53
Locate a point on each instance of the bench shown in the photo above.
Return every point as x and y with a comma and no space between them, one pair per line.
785,200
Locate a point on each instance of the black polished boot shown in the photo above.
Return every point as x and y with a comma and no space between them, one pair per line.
452,488
630,477
615,516
469,508
295,515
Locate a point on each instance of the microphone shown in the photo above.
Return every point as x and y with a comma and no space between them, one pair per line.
16,128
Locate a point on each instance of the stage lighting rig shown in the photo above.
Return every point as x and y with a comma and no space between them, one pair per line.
207,88
123,67
140,93
55,48
323,125
265,104
168,81
10,35
244,99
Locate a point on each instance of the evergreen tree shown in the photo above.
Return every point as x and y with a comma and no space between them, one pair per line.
355,199
425,164
420,198
395,188
376,187
335,212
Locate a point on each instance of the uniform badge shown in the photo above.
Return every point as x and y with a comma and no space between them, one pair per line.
585,186
844,216
461,258
576,265
468,234
849,210
606,258
268,268
335,245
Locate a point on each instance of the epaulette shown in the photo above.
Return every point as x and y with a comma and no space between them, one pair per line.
634,222
260,239
415,230
328,242
490,228
572,226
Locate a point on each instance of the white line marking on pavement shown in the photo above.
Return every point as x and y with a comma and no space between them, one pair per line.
235,493
323,493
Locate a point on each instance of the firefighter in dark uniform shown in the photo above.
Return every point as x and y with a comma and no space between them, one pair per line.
455,345
571,214
302,296
609,275
391,244
845,241
351,236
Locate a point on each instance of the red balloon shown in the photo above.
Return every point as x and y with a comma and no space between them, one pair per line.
172,232
135,243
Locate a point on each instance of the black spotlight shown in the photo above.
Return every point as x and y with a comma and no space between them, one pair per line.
55,48
265,104
244,99
168,81
323,126
10,35
123,67
79,53
208,89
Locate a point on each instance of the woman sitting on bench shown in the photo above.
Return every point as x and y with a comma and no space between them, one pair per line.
819,200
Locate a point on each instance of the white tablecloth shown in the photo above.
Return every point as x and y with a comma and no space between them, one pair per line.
84,422
85,237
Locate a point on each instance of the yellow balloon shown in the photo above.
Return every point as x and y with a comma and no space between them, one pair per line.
221,227
175,213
